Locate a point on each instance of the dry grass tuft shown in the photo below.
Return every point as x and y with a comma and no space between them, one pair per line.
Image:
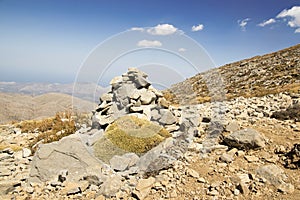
50,130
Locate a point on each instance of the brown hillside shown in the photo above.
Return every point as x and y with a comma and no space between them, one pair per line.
257,76
17,107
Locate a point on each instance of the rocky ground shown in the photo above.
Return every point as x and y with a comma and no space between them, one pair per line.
228,150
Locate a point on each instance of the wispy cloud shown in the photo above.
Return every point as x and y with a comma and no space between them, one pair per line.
198,27
181,49
243,23
162,29
267,22
137,29
149,43
293,17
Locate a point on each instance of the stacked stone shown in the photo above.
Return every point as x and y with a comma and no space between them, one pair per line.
133,94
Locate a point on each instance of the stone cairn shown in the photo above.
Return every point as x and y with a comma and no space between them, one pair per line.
132,94
78,156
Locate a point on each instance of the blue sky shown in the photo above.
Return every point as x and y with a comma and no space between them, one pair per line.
48,40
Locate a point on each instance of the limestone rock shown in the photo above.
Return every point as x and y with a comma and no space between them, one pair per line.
274,174
245,139
26,152
68,153
121,163
147,97
111,186
143,187
167,118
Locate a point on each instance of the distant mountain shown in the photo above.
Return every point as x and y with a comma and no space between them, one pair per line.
17,107
257,76
87,91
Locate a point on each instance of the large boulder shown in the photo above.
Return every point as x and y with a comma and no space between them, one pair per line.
70,154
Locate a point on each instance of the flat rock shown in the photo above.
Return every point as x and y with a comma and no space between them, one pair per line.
167,118
251,158
272,173
111,186
232,126
121,163
245,139
8,186
67,154
143,187
192,173
147,97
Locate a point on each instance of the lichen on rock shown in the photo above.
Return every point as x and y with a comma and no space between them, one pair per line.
129,134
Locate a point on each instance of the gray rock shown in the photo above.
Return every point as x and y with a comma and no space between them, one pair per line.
147,97
111,186
153,161
155,115
107,97
272,173
286,188
115,82
8,186
121,163
141,82
245,139
232,126
67,154
225,157
167,118
26,152
104,119
192,173
122,94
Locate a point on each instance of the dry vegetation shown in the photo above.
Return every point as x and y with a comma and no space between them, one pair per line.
50,129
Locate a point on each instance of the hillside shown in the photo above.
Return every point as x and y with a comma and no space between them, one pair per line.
82,90
17,107
257,76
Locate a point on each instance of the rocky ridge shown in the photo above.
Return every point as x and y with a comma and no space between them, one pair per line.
258,76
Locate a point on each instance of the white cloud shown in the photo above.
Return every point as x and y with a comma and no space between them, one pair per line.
293,16
243,23
199,27
162,29
149,43
181,49
267,22
137,29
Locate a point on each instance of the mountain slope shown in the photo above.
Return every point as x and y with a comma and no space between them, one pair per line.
257,76
81,90
17,107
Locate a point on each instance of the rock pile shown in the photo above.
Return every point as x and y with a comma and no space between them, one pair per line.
134,131
132,94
